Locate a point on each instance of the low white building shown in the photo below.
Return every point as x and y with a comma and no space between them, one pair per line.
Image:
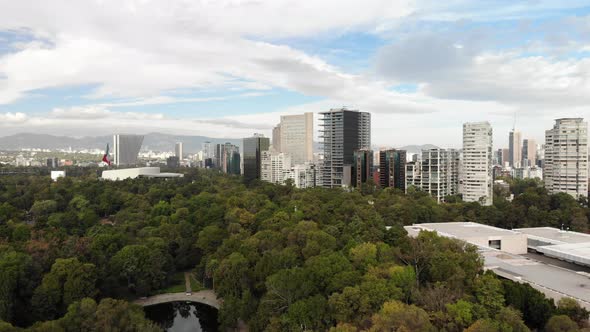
57,174
565,245
477,234
133,173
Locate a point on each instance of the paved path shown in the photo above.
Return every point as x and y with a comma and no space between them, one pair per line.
207,297
187,282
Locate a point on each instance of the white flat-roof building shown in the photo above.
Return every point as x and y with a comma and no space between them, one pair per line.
502,251
569,246
57,174
133,173
477,234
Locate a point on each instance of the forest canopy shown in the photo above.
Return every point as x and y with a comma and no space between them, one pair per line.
73,252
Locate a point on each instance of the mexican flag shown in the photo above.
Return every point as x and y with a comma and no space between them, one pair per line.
105,158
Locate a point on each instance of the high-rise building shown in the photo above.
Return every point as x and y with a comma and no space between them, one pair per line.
362,169
52,162
413,174
505,157
172,162
227,158
208,150
275,166
296,137
438,173
392,169
253,147
178,150
498,157
515,147
566,157
529,152
126,148
303,175
343,132
476,183
276,138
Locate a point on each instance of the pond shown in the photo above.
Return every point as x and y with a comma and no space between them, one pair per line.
183,316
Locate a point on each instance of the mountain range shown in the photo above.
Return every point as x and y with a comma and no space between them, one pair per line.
151,141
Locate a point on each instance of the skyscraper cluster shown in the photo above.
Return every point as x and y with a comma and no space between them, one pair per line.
346,159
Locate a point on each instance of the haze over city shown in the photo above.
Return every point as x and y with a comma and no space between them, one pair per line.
231,68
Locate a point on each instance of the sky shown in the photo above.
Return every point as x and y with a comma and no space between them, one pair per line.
230,68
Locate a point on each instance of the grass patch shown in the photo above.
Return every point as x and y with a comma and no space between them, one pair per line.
176,285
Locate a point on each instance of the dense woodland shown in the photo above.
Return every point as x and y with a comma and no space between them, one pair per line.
73,252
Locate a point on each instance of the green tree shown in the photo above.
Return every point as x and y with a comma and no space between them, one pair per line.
561,323
397,316
140,267
571,308
68,281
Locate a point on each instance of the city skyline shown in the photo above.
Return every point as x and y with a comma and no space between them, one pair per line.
171,75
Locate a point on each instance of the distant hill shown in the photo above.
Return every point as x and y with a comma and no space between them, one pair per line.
152,141
418,148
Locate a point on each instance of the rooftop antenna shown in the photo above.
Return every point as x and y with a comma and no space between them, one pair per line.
514,122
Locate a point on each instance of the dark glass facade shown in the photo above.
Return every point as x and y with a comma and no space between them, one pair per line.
253,146
392,169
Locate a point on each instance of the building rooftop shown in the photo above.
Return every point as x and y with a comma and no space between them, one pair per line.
555,282
554,235
463,230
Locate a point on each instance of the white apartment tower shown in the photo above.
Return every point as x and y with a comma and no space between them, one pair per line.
178,150
274,166
566,157
343,132
295,134
476,183
126,148
437,173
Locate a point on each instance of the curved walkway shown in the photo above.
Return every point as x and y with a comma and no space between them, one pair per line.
207,297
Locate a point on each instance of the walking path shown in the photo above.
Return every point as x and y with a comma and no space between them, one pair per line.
207,297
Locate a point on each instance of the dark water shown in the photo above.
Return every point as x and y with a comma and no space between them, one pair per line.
183,316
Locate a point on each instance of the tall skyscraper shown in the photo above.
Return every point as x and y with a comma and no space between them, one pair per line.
362,168
437,174
505,157
529,152
227,158
566,157
178,150
208,150
515,147
296,137
392,169
476,176
276,138
253,147
126,148
343,131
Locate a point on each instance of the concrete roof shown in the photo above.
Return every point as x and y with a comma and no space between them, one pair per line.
464,230
554,281
554,235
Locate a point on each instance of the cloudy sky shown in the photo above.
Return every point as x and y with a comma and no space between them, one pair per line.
228,68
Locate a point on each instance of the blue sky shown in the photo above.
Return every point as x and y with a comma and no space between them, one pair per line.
230,68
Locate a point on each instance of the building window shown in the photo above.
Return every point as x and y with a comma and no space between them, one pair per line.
495,244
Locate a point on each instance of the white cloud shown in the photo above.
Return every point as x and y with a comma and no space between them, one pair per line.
12,118
145,52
